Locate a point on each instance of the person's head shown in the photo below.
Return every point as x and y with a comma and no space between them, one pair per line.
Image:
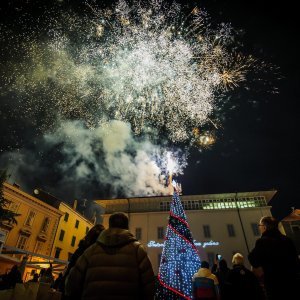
93,234
204,264
118,220
35,277
42,272
14,268
267,223
48,271
223,264
238,259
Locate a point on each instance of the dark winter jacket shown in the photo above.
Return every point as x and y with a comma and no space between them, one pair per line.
82,246
241,283
115,267
12,278
277,256
222,274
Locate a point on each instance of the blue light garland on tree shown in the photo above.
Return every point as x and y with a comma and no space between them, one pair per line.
180,259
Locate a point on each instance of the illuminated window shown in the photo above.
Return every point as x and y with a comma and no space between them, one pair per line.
230,230
255,229
22,242
61,235
66,218
30,218
45,225
206,231
76,224
160,232
138,233
57,252
73,241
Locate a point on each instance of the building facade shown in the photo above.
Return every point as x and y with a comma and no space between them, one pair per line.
291,227
71,229
220,223
33,235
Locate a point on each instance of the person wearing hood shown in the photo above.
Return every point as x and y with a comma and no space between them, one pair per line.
205,289
115,267
275,257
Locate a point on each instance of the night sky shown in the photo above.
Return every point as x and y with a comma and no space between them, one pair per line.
255,147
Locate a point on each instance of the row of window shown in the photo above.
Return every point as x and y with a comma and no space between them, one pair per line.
66,218
160,233
23,241
58,251
206,231
46,222
30,217
226,203
62,235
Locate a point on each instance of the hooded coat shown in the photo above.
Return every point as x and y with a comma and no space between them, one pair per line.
115,267
204,272
204,289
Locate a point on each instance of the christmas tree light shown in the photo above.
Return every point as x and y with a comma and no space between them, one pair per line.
180,259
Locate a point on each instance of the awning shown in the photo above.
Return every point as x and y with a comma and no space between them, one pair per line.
13,250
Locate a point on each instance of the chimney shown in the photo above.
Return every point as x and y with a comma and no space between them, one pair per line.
75,204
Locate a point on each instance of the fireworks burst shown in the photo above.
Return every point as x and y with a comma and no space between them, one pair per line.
146,63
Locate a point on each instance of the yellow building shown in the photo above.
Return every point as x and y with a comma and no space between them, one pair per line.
34,234
71,229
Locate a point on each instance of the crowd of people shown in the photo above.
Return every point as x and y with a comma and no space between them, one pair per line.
274,270
112,264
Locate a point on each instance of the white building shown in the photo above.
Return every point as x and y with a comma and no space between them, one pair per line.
220,223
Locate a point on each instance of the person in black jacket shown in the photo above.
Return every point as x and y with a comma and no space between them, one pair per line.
241,283
276,255
10,279
85,243
221,270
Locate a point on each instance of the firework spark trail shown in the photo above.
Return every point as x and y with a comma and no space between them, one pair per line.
147,64
156,70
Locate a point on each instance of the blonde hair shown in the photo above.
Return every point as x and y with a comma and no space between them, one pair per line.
238,259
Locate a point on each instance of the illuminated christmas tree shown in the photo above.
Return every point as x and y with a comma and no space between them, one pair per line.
180,259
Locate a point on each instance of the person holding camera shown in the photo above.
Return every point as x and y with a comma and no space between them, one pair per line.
221,270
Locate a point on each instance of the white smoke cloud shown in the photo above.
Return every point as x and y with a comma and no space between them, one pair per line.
110,154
